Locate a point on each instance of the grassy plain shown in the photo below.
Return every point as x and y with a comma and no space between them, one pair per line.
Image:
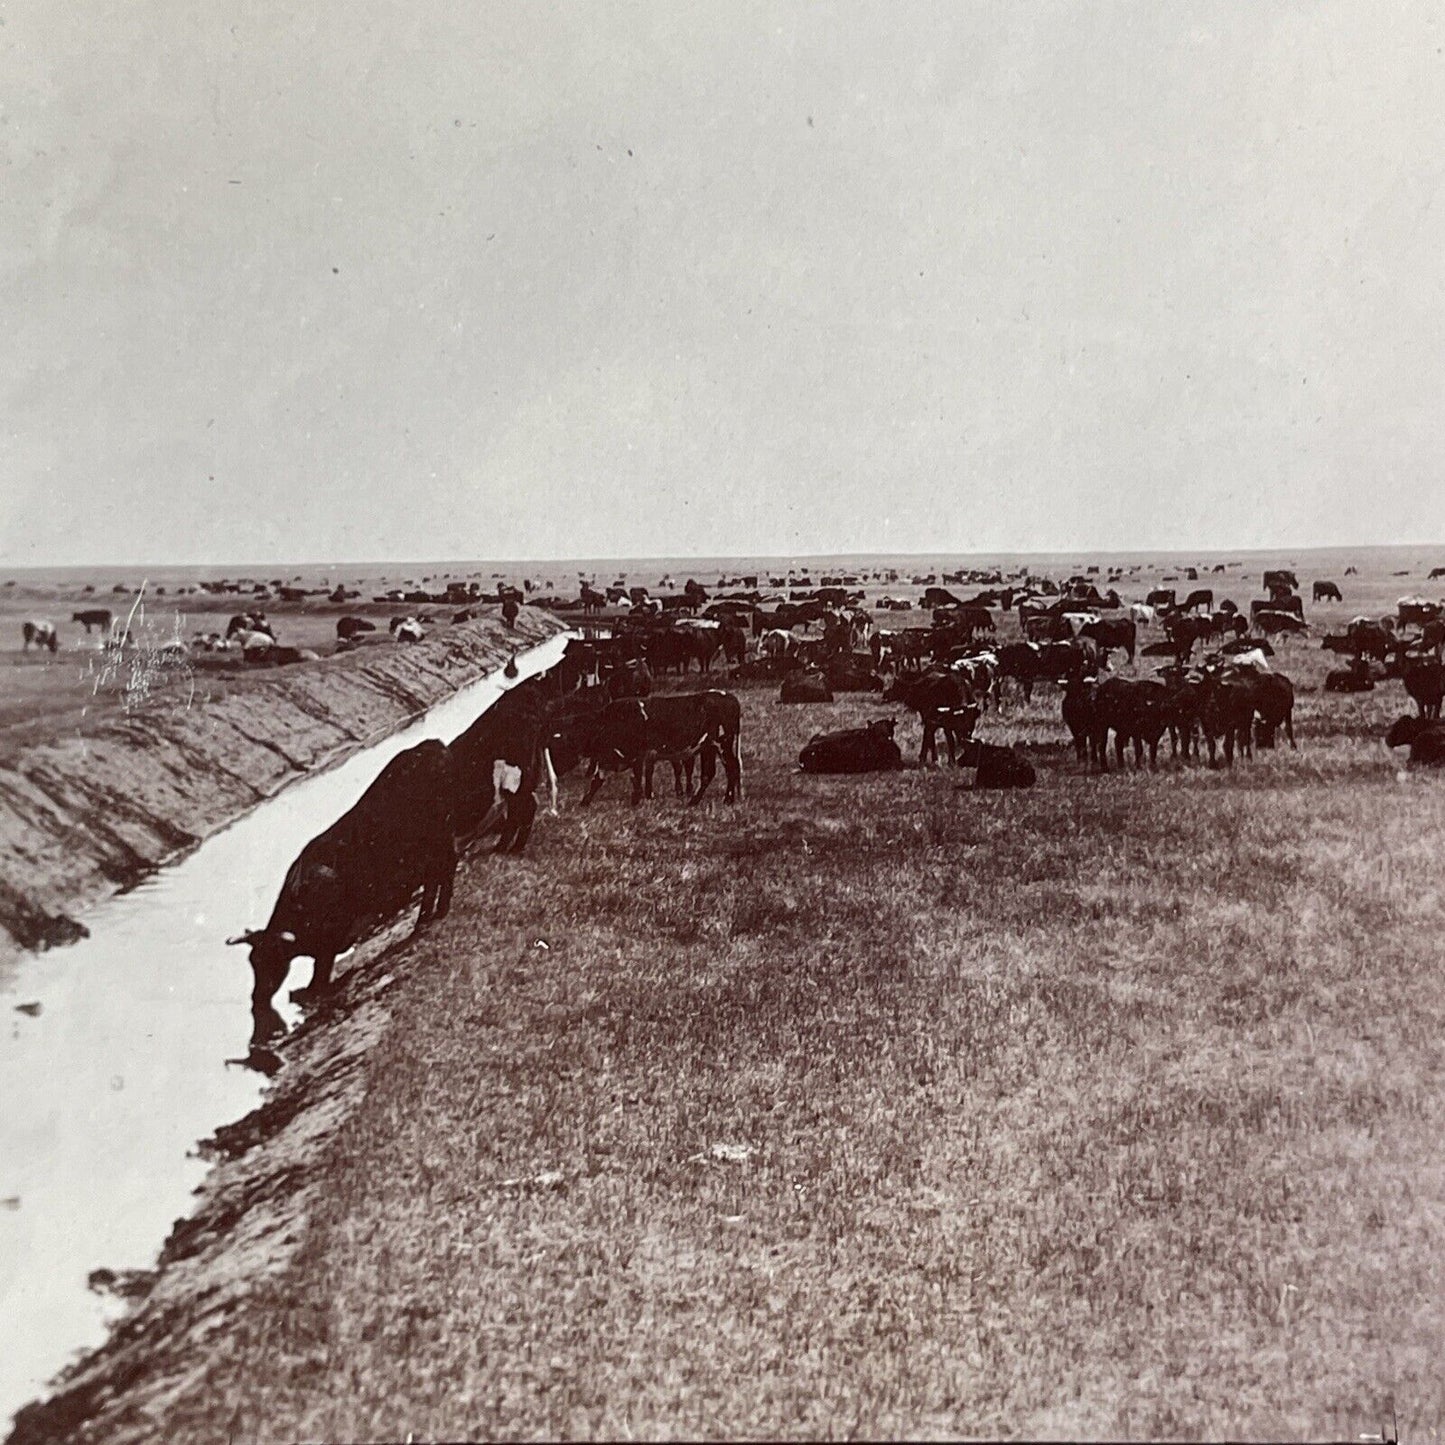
876,1107
82,685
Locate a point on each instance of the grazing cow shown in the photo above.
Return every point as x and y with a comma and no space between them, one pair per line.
1184,631
1200,597
1226,714
101,618
1325,592
1161,597
1112,632
1363,638
1426,740
592,599
808,686
701,642
668,649
363,870
942,705
1280,580
1424,679
42,634
498,763
1290,604
869,749
511,610
634,733
407,629
349,627
1222,622
940,597
980,674
778,642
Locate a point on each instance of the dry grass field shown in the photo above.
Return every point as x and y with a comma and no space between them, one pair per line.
82,685
876,1107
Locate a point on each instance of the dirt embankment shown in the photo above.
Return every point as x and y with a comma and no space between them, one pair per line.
82,816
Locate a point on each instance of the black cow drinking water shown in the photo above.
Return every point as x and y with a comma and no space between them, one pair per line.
363,870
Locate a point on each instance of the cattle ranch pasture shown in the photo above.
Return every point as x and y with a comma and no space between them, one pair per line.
877,1106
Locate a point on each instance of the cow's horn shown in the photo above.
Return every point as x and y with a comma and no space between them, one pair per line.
249,936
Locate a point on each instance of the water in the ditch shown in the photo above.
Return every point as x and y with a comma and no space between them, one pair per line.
113,1057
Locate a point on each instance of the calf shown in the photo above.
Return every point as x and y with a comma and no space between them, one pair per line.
941,702
635,734
42,634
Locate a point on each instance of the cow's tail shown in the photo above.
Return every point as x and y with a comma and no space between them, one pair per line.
551,781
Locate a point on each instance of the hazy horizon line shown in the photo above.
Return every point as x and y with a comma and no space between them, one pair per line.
699,557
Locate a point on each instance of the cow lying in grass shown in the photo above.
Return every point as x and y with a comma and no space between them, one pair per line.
998,766
869,749
1424,737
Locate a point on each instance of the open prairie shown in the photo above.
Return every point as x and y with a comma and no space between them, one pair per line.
883,1106
79,685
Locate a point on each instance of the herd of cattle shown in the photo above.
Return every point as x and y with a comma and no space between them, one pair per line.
596,711
433,802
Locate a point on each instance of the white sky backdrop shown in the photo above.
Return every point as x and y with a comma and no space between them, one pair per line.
355,279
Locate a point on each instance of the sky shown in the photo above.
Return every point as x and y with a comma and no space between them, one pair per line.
364,280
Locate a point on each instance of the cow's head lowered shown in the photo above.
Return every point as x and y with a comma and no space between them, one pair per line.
271,953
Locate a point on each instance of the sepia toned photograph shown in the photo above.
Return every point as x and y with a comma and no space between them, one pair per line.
722,721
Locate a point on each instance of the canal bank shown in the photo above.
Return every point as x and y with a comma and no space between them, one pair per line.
117,1065
84,816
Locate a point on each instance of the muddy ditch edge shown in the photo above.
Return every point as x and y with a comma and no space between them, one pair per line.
249,1221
